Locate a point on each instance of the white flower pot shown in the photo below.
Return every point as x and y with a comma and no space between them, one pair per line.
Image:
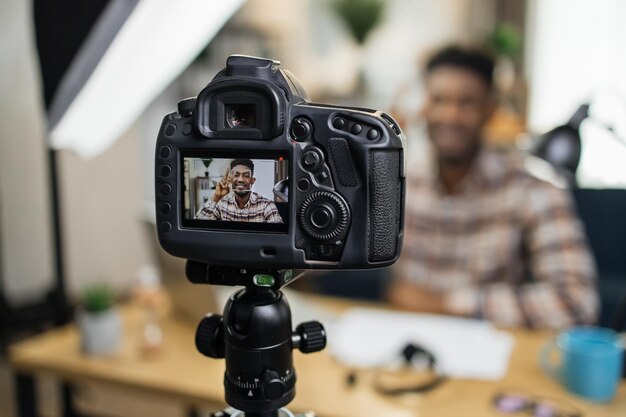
100,333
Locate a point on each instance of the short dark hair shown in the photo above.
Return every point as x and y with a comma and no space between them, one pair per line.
473,59
242,161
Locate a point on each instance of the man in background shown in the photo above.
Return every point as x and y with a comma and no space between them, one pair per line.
483,237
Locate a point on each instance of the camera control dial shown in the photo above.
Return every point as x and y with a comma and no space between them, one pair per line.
324,216
187,106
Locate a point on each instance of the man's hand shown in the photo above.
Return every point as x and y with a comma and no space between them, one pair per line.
407,296
222,188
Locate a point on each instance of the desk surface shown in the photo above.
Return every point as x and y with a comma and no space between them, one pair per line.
180,372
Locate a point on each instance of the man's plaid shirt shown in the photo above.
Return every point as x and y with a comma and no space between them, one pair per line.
508,247
258,209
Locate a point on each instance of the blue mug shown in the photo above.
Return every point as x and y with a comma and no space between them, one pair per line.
590,361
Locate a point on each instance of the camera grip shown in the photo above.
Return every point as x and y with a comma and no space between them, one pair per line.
385,204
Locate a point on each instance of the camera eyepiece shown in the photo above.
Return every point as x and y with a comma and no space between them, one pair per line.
240,115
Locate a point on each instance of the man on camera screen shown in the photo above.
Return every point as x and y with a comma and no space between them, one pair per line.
242,204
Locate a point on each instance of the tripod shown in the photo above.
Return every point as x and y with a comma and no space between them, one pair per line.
255,337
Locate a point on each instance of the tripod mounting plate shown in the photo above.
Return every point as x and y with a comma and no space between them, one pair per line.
275,279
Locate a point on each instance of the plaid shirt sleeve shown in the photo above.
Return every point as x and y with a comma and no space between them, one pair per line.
209,212
271,214
562,290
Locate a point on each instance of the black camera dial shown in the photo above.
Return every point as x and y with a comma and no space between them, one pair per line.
324,216
187,106
301,129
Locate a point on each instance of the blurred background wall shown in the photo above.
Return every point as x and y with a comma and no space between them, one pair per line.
25,231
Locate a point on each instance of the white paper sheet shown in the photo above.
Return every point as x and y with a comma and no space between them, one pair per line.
464,348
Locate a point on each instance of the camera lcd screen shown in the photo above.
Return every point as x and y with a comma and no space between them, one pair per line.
239,192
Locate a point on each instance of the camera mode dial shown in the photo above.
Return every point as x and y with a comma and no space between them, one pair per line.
187,106
324,216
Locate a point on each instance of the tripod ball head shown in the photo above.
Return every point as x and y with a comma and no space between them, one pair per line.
255,337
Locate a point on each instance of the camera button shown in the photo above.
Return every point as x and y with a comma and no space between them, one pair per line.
322,177
165,189
373,134
303,184
311,159
356,128
170,129
165,152
322,217
301,129
166,227
165,170
322,250
187,128
339,123
165,208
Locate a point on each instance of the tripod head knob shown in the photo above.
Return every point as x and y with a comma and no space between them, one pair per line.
273,386
310,337
210,336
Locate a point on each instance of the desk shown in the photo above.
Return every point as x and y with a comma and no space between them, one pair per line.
182,374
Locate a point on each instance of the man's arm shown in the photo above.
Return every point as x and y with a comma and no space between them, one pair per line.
210,211
563,288
271,214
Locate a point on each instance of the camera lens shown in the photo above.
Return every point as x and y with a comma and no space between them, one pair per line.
241,115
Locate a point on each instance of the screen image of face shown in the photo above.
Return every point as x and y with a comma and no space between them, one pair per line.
238,192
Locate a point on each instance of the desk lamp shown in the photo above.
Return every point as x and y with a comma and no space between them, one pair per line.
562,146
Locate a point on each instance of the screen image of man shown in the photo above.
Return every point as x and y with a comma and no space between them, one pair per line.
234,200
484,237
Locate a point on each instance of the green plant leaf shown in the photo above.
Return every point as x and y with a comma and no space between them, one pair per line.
506,39
361,16
98,297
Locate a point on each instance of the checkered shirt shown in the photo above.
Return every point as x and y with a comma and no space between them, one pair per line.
508,247
258,209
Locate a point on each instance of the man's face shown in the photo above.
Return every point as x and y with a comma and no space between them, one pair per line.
241,179
458,104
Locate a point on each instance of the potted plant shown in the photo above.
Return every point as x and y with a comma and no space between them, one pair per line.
99,320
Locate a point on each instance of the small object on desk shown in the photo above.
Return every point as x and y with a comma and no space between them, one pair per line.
150,296
516,400
99,321
351,378
591,361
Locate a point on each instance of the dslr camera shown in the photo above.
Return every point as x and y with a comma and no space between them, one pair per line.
252,174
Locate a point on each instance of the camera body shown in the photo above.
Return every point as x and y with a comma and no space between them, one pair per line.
251,174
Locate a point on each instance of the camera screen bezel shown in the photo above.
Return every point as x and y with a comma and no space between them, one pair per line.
217,225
